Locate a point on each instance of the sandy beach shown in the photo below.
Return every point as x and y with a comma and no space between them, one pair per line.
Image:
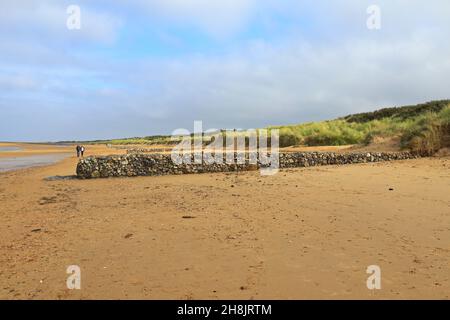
301,234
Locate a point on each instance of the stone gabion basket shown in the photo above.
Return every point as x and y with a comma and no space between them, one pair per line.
132,165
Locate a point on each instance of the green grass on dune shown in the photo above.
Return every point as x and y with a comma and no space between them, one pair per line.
341,132
429,133
423,130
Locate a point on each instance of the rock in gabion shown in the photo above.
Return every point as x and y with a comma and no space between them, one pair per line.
132,165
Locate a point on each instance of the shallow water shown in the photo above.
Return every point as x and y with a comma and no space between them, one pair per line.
9,164
5,149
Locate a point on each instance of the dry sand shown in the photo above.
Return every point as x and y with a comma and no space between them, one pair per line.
301,234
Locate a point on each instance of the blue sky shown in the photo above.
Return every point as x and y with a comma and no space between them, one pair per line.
138,68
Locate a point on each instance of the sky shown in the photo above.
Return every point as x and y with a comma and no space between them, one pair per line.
139,68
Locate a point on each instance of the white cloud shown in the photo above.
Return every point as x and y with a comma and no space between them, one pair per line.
17,82
219,18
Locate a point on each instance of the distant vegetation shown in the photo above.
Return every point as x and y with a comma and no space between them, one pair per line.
423,128
151,140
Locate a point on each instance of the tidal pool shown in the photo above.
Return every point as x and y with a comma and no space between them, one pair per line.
5,149
9,164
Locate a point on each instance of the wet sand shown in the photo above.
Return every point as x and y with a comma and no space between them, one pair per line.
18,150
9,164
9,149
301,234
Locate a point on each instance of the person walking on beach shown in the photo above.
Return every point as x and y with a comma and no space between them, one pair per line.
78,151
82,151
